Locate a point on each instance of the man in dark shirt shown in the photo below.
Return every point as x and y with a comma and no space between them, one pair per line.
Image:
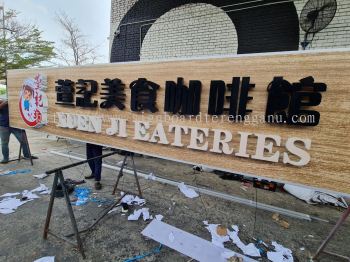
5,132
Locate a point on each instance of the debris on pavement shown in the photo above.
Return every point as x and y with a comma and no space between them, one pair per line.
190,245
45,259
15,172
82,194
42,189
281,254
10,204
132,200
203,169
221,230
245,185
150,176
312,196
115,209
125,208
217,239
137,213
139,257
188,192
41,176
159,217
249,250
29,195
221,234
10,194
235,259
276,217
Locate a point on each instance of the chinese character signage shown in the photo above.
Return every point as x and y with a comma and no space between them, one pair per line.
280,117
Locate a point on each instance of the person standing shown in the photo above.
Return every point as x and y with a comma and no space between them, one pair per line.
6,131
95,165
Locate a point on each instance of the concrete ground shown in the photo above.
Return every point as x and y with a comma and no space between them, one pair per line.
116,238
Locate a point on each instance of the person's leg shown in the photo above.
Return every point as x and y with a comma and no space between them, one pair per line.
18,133
90,154
98,162
5,138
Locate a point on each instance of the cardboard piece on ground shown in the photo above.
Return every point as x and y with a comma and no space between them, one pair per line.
188,244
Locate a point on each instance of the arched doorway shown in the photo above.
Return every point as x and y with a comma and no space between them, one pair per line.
190,30
262,26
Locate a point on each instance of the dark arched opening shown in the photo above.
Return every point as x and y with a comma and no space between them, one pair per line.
265,26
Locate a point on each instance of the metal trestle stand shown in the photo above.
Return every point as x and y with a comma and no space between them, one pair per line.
321,249
131,155
59,178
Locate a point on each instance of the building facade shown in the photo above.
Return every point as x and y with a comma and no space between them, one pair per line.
168,29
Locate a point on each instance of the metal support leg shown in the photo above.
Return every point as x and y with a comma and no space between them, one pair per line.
49,210
136,178
330,236
71,214
105,212
120,174
59,177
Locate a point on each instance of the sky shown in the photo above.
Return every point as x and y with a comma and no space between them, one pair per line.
91,16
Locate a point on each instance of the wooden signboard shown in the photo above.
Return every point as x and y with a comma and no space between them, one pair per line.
203,113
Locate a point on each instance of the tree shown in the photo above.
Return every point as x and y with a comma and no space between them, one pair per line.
74,49
22,46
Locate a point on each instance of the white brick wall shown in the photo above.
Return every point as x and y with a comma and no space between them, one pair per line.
190,30
118,9
200,36
336,34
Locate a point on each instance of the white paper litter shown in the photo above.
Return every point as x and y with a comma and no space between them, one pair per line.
188,192
29,195
10,194
10,204
132,200
281,254
216,239
150,176
188,244
118,208
137,213
249,250
203,169
159,217
311,196
41,188
45,259
41,176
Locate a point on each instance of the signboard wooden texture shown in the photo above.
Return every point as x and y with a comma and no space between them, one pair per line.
329,165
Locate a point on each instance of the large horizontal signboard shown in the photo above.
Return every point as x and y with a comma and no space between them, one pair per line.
283,117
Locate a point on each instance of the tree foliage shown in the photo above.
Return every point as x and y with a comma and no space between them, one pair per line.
23,46
74,48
